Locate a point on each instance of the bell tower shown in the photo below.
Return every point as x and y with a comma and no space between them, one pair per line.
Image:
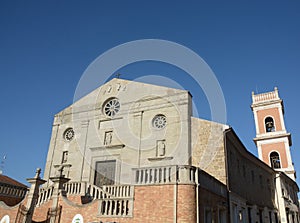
272,140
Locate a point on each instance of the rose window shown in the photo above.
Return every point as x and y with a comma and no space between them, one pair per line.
112,107
159,121
69,134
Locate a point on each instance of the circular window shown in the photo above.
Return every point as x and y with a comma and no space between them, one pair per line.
69,134
159,121
111,107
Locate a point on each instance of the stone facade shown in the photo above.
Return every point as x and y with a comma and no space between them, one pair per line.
129,137
131,152
208,147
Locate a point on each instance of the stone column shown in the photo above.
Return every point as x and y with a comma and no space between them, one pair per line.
33,194
58,181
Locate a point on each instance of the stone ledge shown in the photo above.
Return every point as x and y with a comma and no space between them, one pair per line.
119,146
160,158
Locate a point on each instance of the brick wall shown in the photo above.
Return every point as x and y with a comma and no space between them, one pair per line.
10,211
186,209
262,114
151,204
278,147
40,213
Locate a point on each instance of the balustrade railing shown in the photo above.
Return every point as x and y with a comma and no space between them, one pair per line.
256,98
118,195
119,191
116,207
45,195
117,200
75,187
164,175
96,192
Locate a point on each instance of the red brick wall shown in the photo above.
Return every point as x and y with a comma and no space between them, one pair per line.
280,148
154,203
10,211
151,204
262,114
186,209
40,213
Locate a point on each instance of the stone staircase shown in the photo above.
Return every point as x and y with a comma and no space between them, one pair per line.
115,200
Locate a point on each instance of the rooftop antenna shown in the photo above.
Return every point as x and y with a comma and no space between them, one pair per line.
2,164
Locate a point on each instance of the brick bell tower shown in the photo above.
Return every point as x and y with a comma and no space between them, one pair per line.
272,140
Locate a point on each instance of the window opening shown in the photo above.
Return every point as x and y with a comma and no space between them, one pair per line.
275,160
108,138
105,173
64,157
160,148
269,123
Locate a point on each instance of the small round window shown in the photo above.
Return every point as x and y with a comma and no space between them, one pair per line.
111,107
69,134
159,121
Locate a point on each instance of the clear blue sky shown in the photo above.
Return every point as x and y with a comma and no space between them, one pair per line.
45,46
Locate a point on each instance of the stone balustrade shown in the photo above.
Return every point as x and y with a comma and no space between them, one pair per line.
119,191
109,194
96,192
164,175
75,187
45,195
273,95
116,207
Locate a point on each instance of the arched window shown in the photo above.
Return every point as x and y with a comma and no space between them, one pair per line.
269,123
275,160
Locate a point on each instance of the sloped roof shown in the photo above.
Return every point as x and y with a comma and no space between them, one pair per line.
8,180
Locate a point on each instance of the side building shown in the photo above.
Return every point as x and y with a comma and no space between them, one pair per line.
12,192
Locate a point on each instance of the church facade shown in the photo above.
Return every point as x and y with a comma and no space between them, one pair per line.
132,152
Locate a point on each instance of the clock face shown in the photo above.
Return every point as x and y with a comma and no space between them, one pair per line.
112,107
69,134
159,122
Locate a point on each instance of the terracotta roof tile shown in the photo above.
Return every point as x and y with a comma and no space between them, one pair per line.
8,180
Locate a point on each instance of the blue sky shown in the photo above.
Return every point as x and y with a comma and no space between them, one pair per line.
45,47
